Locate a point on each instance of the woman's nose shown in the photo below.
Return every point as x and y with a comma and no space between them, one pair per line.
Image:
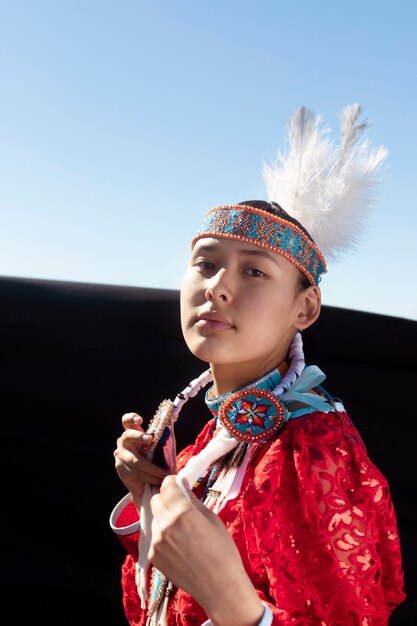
220,287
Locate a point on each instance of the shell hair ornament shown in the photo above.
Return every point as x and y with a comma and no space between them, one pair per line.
320,195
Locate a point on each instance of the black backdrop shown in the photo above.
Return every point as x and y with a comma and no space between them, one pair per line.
75,357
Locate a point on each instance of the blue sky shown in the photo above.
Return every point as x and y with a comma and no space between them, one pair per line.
122,122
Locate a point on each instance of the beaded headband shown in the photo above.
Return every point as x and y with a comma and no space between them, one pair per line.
264,229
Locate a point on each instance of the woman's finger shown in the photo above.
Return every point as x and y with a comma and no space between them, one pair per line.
131,438
126,452
131,420
173,496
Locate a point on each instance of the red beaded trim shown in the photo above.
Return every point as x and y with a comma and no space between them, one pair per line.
159,422
265,434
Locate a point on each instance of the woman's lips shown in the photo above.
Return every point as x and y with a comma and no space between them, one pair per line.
213,325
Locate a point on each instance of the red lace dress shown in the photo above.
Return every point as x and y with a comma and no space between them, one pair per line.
315,526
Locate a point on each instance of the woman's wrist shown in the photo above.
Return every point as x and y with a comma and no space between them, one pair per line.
137,501
238,605
266,619
244,616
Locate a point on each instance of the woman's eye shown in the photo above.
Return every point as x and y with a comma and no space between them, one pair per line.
252,271
205,265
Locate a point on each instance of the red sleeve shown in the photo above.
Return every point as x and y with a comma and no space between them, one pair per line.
321,528
127,517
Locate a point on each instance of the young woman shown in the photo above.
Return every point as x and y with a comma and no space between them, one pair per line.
275,515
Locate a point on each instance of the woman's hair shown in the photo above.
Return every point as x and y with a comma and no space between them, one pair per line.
275,209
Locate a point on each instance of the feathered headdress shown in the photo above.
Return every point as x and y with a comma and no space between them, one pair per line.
328,188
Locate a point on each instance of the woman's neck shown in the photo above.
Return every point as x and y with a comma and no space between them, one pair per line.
227,378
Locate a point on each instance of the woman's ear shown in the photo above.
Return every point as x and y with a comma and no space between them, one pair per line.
309,301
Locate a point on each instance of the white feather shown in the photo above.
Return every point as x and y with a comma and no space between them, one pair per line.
329,188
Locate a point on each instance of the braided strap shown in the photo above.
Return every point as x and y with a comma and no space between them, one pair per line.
297,364
191,390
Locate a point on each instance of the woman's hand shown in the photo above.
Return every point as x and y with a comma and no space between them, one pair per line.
133,468
191,546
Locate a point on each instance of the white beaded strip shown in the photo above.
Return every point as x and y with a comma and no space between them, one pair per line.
297,364
191,390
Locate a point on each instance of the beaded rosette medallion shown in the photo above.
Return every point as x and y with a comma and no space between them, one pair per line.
252,415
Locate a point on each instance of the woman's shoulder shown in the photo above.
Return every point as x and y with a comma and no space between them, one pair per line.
316,450
314,435
318,425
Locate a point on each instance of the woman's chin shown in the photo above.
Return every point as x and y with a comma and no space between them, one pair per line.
210,355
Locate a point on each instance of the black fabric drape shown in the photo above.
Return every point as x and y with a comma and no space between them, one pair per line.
76,356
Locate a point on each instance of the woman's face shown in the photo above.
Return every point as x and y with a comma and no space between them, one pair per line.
240,306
